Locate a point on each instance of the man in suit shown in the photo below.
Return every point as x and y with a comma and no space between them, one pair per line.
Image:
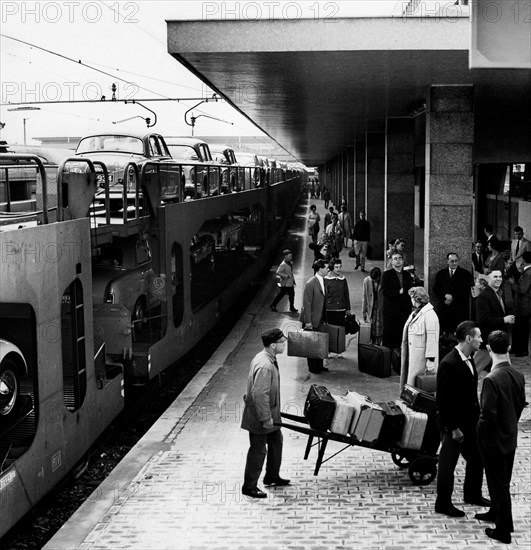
478,258
328,217
522,308
502,403
286,282
313,313
488,229
491,313
519,245
452,289
396,302
361,236
261,412
458,413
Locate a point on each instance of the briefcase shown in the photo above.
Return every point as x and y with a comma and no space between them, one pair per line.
393,424
308,343
426,382
365,333
336,338
418,400
319,408
375,360
351,325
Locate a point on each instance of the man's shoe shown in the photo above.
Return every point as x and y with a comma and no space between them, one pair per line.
294,310
324,369
273,308
486,516
356,267
315,371
277,481
451,511
253,493
479,501
497,535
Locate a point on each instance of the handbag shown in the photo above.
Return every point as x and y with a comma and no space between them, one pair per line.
351,325
427,381
352,253
308,343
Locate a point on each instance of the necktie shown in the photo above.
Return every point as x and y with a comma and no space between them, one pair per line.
517,247
451,273
480,263
501,302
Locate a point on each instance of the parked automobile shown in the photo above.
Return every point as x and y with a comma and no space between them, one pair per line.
13,368
202,250
117,150
199,175
225,155
226,231
124,275
252,169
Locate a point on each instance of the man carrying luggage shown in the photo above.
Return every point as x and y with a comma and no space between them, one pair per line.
313,313
261,412
458,413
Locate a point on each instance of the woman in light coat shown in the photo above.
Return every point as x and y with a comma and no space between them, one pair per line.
420,339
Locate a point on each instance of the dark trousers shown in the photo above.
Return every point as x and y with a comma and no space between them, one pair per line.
261,445
448,456
290,291
520,343
498,471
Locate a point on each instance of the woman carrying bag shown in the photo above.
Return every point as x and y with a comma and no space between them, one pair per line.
420,339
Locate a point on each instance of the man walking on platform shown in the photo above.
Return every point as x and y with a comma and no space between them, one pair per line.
261,412
313,313
502,403
458,413
361,237
286,282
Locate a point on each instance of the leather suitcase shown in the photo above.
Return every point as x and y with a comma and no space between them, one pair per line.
426,382
375,360
418,399
343,416
319,408
336,338
308,343
365,333
367,420
393,424
414,428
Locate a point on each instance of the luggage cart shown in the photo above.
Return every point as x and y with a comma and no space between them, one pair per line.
421,464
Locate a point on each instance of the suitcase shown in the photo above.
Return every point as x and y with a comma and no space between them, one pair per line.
418,399
375,360
414,428
365,333
393,424
367,420
319,408
343,415
308,343
426,382
336,338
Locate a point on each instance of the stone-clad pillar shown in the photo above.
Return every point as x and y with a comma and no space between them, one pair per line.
375,188
400,182
359,180
351,175
449,176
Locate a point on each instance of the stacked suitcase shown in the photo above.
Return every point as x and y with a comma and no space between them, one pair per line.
375,360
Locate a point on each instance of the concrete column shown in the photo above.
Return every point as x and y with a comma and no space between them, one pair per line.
375,190
400,182
449,176
359,178
351,176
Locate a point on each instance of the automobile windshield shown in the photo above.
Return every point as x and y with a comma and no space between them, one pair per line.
183,152
122,144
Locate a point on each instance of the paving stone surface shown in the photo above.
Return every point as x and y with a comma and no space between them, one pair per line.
181,487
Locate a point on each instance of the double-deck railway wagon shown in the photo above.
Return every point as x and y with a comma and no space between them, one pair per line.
93,299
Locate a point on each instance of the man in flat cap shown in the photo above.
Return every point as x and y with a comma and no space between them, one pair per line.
262,410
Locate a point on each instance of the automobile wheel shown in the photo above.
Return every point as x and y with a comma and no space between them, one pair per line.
9,386
139,313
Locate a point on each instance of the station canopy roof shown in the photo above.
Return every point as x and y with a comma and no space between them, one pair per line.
316,87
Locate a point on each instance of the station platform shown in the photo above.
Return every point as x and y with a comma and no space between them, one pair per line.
179,488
